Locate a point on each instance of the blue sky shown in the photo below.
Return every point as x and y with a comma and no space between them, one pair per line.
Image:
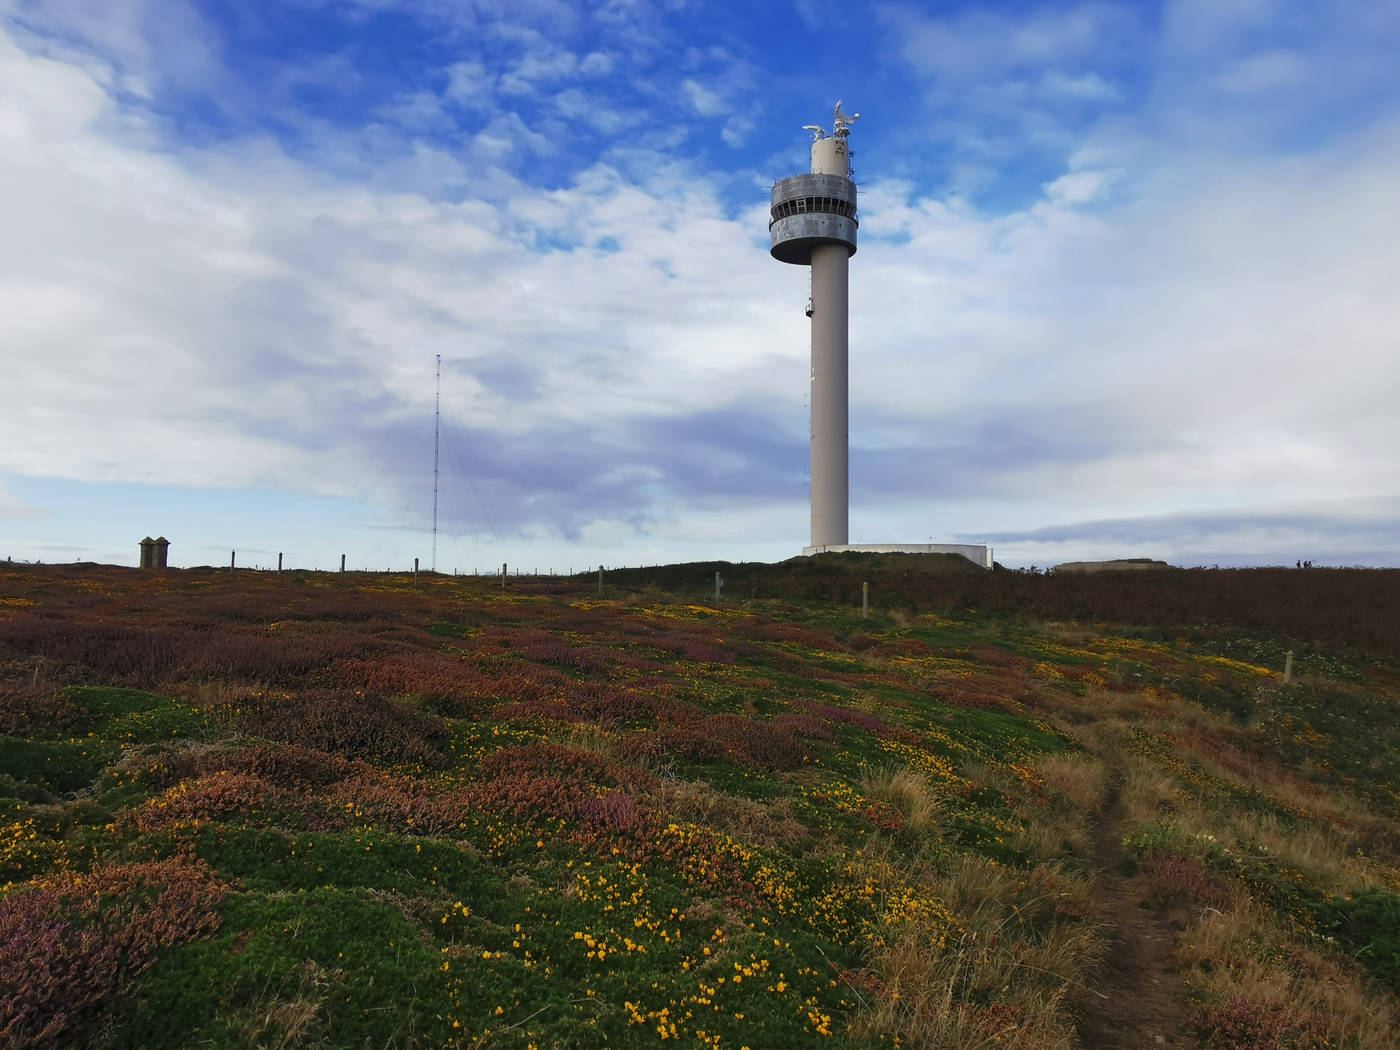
1128,280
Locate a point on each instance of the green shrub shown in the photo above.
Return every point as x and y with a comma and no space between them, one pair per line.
1367,925
57,765
294,969
108,702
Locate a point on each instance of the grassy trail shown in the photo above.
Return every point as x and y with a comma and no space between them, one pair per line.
1138,997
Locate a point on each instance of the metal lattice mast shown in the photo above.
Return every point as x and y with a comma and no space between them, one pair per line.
437,430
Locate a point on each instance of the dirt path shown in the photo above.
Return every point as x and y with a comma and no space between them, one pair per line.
1137,1000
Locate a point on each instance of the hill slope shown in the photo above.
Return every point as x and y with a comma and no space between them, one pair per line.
314,810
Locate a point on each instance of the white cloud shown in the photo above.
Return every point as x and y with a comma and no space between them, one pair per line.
468,83
704,101
1270,71
992,89
1077,187
508,136
46,95
980,46
1202,341
1206,25
597,64
821,14
13,507
595,111
147,42
737,130
1087,87
235,317
539,66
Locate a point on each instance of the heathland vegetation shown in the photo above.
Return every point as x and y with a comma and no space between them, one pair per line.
313,810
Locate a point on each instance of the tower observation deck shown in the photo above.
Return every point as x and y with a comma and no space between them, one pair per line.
814,224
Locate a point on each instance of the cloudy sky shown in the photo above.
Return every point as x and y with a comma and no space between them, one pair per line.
1128,280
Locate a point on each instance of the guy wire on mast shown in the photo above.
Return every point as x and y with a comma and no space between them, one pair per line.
437,429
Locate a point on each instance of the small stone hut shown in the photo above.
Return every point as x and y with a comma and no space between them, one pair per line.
154,552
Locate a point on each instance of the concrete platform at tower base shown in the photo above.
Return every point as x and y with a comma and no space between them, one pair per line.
973,552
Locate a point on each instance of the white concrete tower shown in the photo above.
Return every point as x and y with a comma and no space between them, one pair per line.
814,224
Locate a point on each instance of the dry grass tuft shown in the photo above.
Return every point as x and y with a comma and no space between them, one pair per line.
910,795
1150,793
1007,975
1057,821
591,739
1077,777
1255,981
759,824
282,1024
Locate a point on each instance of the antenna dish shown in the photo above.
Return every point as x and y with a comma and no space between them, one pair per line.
843,121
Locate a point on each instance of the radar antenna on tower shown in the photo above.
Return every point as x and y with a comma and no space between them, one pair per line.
842,121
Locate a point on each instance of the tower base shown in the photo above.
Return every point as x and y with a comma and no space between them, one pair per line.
974,552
